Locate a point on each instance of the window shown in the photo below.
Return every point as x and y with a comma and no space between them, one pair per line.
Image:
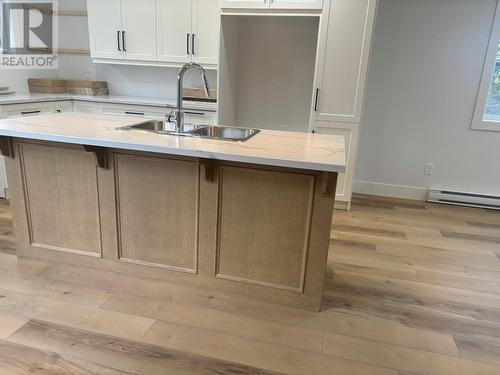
487,110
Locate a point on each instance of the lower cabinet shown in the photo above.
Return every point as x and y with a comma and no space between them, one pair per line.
200,117
133,110
85,107
262,238
26,109
345,180
60,183
158,206
258,231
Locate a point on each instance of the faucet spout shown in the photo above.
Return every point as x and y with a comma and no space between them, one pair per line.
179,113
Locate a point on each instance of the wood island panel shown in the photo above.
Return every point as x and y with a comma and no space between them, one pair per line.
246,230
264,223
157,209
60,186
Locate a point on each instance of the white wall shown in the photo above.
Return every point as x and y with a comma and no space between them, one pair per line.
157,82
423,80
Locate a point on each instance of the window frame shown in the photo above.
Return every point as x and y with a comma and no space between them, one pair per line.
490,61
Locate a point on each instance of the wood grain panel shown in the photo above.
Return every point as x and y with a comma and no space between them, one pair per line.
158,211
263,226
60,185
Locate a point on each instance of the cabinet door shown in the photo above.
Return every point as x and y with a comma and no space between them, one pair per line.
27,109
85,107
297,4
200,118
134,110
205,38
139,29
254,4
344,46
350,132
174,30
105,22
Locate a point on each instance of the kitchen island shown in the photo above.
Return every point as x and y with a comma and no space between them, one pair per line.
251,219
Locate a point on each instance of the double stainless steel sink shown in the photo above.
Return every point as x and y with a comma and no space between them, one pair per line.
201,131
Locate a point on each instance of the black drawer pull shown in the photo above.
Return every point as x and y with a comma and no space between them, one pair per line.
194,113
134,113
29,112
118,40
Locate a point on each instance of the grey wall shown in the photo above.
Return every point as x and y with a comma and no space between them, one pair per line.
423,79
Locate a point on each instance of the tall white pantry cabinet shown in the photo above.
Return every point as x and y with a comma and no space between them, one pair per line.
344,45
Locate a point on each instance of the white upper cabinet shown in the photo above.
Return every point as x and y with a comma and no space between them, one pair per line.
188,30
154,32
253,4
277,4
296,4
138,29
205,34
344,47
105,25
122,29
174,30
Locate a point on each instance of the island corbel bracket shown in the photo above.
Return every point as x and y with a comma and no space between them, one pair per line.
209,169
101,155
328,183
6,147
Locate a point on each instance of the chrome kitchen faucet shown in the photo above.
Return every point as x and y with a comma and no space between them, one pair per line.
178,117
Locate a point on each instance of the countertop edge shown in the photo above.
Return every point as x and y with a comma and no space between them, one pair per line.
174,151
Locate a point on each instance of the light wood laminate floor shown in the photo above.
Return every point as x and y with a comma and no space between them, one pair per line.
412,289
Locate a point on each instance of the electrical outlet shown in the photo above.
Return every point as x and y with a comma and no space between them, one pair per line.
88,74
429,169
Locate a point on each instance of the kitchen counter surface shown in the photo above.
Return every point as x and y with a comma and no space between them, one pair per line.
20,98
275,148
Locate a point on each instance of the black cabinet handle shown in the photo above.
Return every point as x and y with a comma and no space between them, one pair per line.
316,101
134,113
194,113
192,43
118,40
123,41
187,44
29,112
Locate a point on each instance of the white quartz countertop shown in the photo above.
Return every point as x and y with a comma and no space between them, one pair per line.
284,149
20,98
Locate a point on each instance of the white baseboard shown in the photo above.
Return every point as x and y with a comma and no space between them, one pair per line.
342,205
389,190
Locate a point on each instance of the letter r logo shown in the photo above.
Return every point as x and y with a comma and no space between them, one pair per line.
27,27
